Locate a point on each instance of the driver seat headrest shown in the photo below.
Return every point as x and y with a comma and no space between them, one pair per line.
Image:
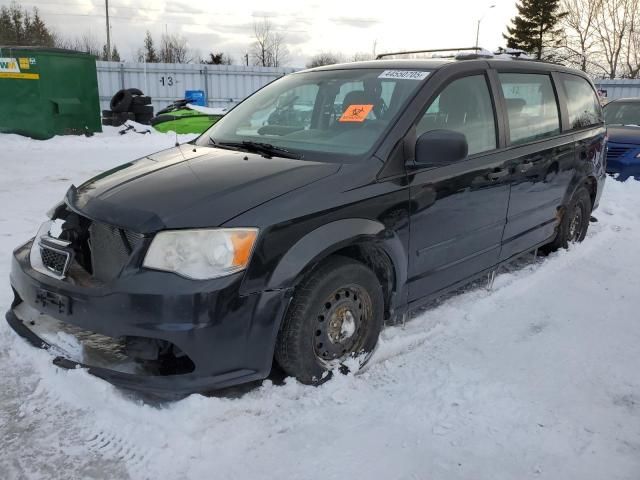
356,97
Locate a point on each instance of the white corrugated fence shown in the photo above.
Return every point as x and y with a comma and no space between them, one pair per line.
223,85
226,85
619,88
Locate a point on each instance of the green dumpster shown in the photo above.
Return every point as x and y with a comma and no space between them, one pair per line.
48,91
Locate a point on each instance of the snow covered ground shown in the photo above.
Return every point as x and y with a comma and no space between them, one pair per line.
537,379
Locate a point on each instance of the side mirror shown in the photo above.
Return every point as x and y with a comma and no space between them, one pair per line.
441,147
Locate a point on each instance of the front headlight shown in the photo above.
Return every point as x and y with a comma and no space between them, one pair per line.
201,254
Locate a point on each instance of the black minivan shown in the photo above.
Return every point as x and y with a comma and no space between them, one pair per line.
329,202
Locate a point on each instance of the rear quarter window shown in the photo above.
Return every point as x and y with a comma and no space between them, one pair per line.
582,102
532,108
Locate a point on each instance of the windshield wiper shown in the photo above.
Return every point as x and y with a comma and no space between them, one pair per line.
224,146
266,149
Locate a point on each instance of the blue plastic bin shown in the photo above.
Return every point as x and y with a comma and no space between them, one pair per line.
195,97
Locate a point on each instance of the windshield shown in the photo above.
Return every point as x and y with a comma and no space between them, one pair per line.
310,114
622,113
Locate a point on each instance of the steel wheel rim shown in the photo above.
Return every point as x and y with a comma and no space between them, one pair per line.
341,324
575,226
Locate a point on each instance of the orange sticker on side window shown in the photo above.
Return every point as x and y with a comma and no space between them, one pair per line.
356,113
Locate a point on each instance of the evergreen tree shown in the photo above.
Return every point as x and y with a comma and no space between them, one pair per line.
149,54
535,27
11,24
219,58
37,32
18,27
115,55
6,27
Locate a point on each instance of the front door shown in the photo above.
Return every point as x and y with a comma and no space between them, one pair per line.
458,211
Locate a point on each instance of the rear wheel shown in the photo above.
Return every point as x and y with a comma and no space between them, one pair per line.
574,222
336,313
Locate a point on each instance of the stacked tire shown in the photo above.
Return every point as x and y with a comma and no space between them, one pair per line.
129,104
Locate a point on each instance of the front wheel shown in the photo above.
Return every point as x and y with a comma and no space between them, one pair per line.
574,222
336,313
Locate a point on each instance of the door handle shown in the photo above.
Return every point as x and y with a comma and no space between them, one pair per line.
497,174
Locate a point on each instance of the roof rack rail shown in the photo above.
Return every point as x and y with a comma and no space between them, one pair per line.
478,53
437,50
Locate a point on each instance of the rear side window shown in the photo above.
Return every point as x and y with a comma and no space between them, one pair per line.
532,108
464,106
582,102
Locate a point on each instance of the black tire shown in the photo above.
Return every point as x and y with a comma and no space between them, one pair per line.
107,121
141,109
107,113
574,223
336,311
141,100
135,91
124,116
121,101
144,119
116,121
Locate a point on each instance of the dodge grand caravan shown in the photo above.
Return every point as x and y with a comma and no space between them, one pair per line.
329,202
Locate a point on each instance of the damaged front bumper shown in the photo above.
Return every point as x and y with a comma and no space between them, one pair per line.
204,335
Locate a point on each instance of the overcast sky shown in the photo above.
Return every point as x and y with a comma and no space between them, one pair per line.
310,27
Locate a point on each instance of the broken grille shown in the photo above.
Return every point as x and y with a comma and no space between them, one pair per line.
111,248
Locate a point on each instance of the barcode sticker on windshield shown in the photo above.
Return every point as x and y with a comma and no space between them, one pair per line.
404,74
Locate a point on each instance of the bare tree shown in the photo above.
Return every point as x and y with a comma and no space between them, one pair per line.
580,43
615,22
632,45
86,42
174,49
633,55
362,56
325,58
279,50
260,47
269,48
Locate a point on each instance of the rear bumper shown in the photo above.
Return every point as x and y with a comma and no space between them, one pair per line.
228,337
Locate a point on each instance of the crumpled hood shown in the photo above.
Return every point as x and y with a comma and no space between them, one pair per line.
622,134
185,187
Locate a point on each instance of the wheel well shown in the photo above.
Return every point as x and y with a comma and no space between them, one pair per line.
374,258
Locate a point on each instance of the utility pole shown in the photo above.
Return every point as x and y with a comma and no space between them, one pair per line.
106,6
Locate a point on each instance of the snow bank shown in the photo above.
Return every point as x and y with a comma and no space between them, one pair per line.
537,378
